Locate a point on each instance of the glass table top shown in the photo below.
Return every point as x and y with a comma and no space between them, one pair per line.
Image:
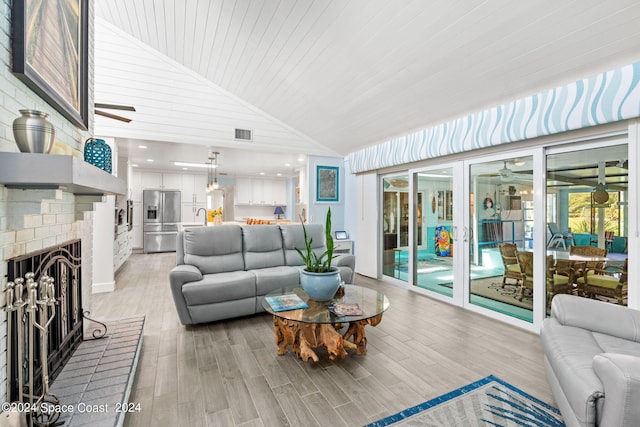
370,302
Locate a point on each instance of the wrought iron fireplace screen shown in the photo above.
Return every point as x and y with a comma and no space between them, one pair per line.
63,264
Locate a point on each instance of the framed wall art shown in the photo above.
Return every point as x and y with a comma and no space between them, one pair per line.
327,183
50,53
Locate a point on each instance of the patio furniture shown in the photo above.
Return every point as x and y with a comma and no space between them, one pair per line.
559,280
610,282
559,237
525,259
581,266
608,240
508,253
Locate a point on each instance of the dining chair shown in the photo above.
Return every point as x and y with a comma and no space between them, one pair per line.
580,267
608,239
611,282
525,259
508,253
558,237
559,280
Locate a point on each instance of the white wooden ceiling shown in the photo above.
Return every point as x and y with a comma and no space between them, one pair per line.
344,74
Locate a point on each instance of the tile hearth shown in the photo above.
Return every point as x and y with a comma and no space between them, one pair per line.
96,382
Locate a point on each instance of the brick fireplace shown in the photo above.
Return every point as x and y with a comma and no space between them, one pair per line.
32,220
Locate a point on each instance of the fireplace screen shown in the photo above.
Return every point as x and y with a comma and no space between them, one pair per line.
54,302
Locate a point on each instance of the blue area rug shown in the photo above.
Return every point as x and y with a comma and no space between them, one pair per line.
487,402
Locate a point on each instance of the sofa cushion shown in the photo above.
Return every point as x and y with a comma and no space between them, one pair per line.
270,279
611,344
214,249
220,287
293,237
262,246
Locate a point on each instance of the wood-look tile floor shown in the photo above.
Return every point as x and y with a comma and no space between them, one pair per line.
228,374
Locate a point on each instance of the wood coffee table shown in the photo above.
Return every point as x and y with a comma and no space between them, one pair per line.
316,326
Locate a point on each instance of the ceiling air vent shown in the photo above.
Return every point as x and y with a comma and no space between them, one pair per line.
243,134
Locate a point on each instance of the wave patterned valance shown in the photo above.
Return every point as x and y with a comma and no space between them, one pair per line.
605,98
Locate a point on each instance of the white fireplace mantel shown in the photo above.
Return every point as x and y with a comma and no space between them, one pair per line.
47,171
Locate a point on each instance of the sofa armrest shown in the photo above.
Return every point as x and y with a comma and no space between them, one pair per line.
346,260
597,316
620,375
178,276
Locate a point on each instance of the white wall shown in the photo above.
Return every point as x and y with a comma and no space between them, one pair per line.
316,211
367,219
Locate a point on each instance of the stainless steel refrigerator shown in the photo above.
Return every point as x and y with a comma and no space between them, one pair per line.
161,217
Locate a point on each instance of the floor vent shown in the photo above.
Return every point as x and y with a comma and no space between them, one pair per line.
243,134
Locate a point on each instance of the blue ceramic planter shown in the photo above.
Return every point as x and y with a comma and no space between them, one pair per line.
320,286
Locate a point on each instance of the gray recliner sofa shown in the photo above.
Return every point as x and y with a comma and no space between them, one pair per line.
592,352
225,271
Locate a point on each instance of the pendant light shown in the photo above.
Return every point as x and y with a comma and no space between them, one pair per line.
212,172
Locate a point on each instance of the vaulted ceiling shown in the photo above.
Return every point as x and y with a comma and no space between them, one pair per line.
330,77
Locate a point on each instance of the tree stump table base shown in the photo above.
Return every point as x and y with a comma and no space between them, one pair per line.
304,337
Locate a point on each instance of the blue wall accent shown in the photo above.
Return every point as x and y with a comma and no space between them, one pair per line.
608,97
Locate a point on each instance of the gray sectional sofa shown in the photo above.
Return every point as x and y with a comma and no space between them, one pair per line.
225,271
592,351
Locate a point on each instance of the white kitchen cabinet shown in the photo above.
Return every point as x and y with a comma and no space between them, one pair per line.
267,192
260,192
189,211
150,180
171,181
244,191
279,192
200,188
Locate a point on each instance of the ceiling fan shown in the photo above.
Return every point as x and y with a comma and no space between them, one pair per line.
113,107
505,173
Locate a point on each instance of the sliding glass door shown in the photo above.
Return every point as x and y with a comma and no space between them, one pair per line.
395,226
500,264
435,230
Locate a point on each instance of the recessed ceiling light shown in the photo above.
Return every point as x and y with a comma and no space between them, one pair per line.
287,164
279,174
142,146
261,173
135,165
149,160
185,169
300,159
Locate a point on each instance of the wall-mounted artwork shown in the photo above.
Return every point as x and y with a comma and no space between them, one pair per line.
50,53
327,183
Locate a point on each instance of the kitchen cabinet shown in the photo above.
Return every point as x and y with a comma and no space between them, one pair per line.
267,192
171,181
193,188
194,197
150,180
121,246
244,191
189,211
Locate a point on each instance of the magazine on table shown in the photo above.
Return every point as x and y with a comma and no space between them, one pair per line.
285,302
345,309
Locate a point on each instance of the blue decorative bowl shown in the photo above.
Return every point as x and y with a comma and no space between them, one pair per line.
320,286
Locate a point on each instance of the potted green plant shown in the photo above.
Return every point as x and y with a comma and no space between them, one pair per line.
319,279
